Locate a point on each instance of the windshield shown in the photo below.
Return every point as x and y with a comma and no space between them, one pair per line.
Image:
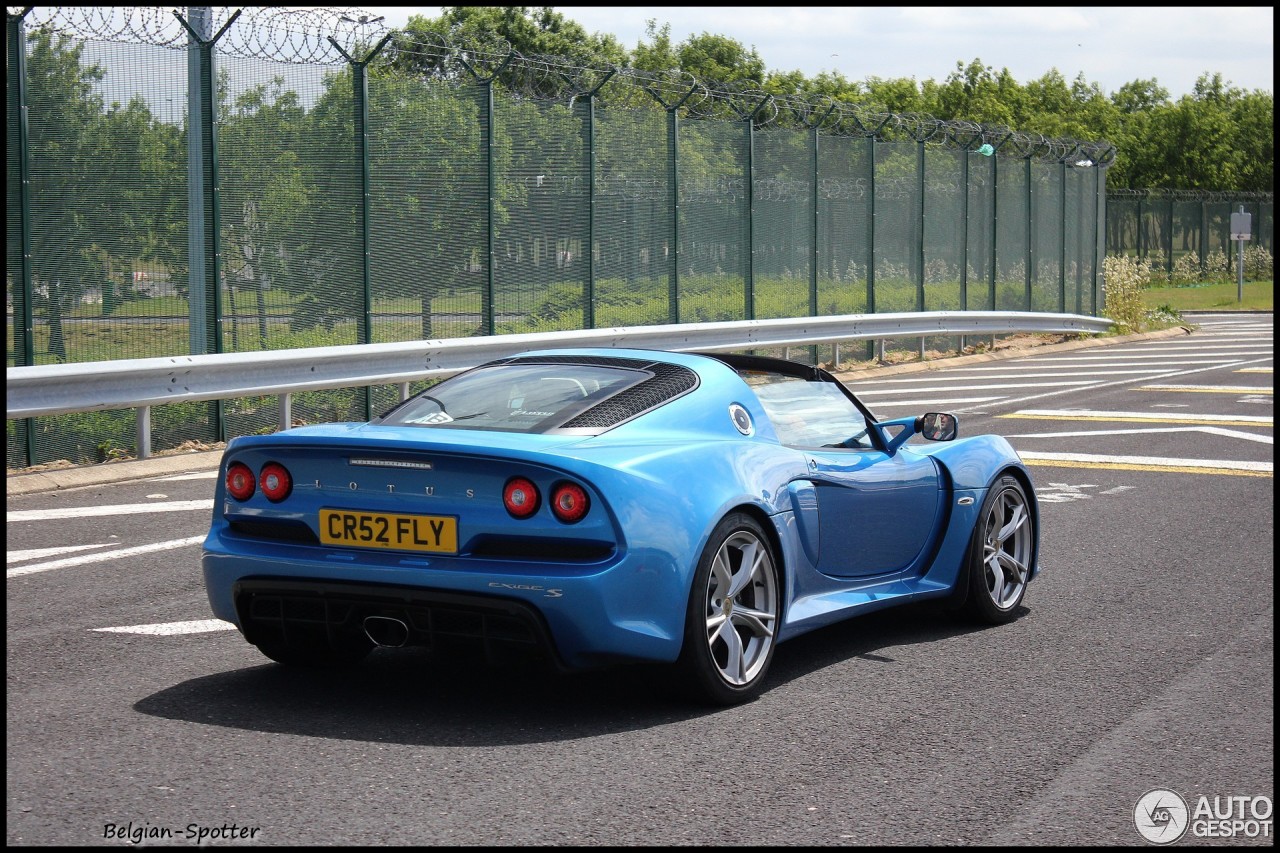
515,397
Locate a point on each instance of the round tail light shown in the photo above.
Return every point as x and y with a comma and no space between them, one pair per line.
240,482
520,497
276,482
569,502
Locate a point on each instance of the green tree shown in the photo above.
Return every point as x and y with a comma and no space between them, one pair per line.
103,179
267,196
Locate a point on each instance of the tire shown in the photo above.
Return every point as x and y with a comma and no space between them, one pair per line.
1001,553
314,657
733,614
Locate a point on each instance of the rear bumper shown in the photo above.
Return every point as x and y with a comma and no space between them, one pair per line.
331,614
629,608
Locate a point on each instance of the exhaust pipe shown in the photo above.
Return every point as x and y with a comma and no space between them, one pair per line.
386,631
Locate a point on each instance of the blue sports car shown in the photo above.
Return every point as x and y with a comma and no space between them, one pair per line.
603,505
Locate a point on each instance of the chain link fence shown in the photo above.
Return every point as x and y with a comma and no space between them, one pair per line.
1186,234
216,180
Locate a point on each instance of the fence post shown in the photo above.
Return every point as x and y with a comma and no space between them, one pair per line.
1099,238
205,241
1031,254
360,108
589,295
920,240
1062,231
487,141
673,178
16,125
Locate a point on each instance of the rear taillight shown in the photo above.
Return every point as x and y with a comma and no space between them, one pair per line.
276,482
569,502
520,497
240,482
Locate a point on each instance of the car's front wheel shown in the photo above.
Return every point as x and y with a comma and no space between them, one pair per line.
733,614
1001,553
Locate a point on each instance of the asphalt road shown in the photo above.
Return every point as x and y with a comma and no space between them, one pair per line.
1143,660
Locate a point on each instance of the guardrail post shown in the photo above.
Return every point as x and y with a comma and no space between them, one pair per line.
286,411
143,427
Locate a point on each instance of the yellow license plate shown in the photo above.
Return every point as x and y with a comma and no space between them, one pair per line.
436,533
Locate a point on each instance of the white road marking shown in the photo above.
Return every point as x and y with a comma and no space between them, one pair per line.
1204,358
1015,374
1155,463
1256,370
1212,430
1085,414
1112,384
166,629
195,475
102,557
1219,347
867,392
119,509
884,403
37,553
1043,363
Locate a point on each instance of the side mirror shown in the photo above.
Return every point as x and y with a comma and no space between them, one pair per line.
938,426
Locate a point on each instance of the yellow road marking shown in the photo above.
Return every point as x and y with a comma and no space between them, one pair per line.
1208,389
1129,466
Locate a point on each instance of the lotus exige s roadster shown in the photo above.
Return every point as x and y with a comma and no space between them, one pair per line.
604,505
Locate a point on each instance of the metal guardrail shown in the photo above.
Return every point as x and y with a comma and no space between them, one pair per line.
56,389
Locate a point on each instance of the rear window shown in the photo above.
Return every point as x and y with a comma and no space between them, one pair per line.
515,397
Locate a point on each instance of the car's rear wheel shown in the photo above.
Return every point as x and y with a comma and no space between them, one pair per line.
1001,553
733,614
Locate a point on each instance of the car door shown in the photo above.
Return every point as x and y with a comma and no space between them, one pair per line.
876,512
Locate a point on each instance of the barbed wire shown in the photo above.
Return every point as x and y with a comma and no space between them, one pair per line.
1209,196
303,36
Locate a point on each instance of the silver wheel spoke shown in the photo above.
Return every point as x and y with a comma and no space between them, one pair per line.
714,621
754,621
1019,519
733,666
751,557
996,587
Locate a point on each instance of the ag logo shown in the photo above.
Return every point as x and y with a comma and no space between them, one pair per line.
1161,816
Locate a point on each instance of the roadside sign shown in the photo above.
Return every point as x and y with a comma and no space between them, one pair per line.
1242,226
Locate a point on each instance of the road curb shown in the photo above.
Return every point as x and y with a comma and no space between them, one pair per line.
111,472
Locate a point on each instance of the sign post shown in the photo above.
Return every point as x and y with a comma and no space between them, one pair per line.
1241,230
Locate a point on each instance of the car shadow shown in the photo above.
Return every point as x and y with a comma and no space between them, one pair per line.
410,696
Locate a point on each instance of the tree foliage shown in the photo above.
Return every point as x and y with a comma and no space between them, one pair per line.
109,180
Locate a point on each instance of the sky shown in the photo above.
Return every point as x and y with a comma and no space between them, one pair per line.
1110,45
